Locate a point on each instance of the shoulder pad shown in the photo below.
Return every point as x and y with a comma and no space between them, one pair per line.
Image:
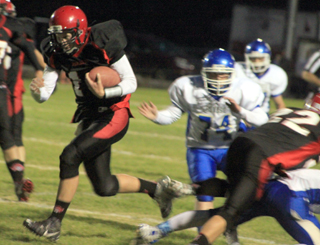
15,26
29,26
110,36
196,80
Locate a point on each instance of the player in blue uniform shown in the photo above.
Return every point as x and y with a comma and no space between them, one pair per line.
257,67
216,103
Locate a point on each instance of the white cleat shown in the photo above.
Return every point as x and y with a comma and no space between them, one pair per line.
146,235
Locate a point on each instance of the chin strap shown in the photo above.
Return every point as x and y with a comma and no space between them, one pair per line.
216,97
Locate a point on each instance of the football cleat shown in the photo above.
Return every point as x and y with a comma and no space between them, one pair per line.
163,198
178,189
232,236
24,189
146,235
49,228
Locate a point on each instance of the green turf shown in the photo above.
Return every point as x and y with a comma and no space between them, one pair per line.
147,151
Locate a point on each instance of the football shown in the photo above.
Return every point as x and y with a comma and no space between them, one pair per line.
109,77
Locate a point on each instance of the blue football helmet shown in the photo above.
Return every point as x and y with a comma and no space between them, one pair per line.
215,63
261,50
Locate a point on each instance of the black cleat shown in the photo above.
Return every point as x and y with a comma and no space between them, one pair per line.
49,228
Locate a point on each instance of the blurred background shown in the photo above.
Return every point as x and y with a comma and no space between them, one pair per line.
168,38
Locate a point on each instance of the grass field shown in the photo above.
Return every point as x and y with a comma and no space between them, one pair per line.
148,151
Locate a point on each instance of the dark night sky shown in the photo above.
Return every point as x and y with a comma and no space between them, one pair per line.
198,23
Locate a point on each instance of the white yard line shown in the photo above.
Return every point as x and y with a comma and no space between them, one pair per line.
128,153
106,215
80,211
67,124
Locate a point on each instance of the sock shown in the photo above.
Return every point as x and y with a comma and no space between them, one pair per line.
200,240
16,169
147,187
60,209
199,229
164,228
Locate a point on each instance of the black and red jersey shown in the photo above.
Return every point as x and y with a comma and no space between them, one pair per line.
104,45
291,137
5,36
14,73
13,31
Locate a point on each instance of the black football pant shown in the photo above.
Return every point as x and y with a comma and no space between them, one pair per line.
93,148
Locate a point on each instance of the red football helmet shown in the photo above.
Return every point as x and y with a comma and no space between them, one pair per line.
3,6
313,103
4,1
69,19
11,9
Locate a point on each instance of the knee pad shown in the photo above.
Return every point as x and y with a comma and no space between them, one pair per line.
70,161
204,198
110,188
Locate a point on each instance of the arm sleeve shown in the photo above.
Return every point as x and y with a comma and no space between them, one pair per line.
50,77
177,92
256,117
128,82
252,98
168,116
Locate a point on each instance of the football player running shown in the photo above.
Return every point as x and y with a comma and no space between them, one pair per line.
12,41
103,114
257,66
216,101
